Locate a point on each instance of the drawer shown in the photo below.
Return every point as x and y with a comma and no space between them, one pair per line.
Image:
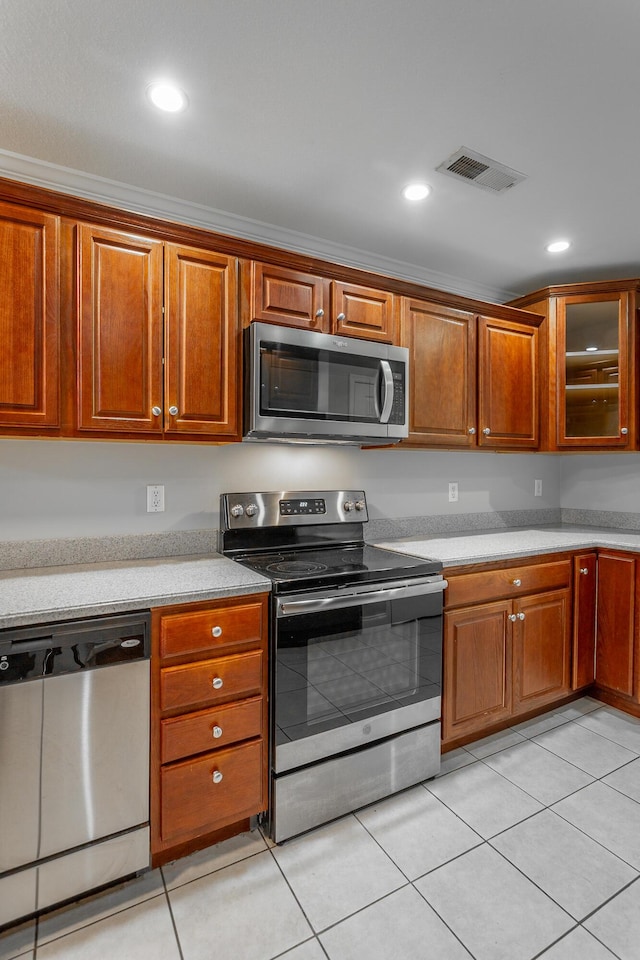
192,684
183,633
473,588
193,804
232,722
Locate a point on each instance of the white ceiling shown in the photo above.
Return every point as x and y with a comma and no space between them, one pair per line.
307,117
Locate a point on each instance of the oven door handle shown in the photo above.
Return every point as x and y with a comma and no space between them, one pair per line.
294,608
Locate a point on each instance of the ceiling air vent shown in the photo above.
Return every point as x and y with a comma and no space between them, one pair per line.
480,171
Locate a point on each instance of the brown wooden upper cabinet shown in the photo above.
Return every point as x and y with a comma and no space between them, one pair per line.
589,354
294,299
473,379
29,319
157,337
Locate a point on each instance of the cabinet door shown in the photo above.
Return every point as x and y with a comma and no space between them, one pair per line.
593,371
201,343
442,375
476,668
584,620
29,317
288,297
119,332
508,384
615,622
541,649
208,792
362,312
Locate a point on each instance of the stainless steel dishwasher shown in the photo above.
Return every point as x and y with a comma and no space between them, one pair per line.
74,759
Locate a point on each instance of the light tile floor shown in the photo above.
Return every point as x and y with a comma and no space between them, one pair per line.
526,846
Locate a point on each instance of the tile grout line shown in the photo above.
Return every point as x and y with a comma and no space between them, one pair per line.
173,919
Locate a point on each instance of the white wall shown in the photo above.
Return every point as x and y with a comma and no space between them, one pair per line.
601,482
52,488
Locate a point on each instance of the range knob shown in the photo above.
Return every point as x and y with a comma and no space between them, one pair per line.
360,504
349,505
251,510
237,510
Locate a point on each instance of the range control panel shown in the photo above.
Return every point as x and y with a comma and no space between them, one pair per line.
291,508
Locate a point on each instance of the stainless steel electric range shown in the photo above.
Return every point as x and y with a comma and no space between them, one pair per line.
355,653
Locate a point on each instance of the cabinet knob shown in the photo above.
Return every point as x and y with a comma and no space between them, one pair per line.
512,617
584,571
517,582
217,683
472,431
173,411
319,313
156,411
624,431
216,631
341,317
521,616
486,431
217,732
217,776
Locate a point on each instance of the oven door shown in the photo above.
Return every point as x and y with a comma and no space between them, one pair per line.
352,668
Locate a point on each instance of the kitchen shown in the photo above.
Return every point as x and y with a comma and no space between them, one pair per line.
82,490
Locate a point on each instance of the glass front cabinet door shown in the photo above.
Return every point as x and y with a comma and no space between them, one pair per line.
589,355
593,370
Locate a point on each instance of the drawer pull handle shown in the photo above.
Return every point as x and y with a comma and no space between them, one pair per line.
217,732
320,313
521,616
341,317
486,431
517,582
584,571
217,776
512,617
472,431
217,683
216,631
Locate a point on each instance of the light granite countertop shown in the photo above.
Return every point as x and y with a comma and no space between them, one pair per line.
54,593
485,547
48,594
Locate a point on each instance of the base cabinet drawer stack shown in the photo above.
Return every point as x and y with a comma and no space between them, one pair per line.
507,645
209,722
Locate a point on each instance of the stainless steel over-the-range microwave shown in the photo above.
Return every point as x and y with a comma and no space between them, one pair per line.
318,387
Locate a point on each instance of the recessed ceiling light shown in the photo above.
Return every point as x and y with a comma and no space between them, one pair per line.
416,191
166,96
558,246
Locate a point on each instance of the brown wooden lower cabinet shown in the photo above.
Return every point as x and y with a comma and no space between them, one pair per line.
615,642
584,619
541,650
477,664
509,653
208,722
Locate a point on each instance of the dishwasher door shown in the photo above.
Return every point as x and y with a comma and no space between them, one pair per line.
95,755
20,733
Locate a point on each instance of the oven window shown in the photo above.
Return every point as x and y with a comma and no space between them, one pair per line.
346,665
318,384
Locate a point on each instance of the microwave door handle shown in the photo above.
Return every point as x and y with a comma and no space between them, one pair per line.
387,381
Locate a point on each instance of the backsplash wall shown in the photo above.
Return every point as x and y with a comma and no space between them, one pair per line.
53,489
605,483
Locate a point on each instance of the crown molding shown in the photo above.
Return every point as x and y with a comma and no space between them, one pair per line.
51,176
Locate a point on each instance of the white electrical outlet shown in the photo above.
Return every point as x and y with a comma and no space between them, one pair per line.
537,488
155,498
453,492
